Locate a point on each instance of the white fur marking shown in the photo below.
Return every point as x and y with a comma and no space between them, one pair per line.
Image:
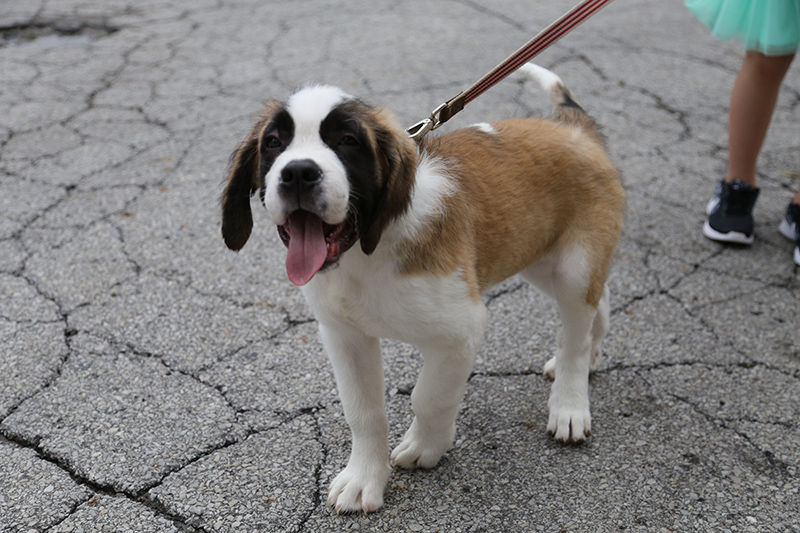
541,75
433,185
485,127
308,108
310,105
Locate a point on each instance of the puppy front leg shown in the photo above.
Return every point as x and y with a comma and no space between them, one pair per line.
358,368
437,397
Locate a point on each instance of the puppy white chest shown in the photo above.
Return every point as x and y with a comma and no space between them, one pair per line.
389,305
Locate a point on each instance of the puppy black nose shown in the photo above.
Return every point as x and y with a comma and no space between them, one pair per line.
300,175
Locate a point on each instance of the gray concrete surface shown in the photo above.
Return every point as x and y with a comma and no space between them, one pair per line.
151,380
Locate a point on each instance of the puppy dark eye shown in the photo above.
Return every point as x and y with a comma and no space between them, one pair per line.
348,140
272,142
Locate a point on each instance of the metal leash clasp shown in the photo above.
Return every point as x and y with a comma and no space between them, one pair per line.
419,130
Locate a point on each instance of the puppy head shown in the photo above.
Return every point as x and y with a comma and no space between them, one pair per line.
331,171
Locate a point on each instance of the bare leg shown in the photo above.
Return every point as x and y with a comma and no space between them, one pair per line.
753,99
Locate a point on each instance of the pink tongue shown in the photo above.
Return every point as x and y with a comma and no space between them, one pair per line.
307,248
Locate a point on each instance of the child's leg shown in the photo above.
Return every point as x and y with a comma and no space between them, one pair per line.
753,99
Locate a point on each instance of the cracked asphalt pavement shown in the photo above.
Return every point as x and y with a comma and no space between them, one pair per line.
151,380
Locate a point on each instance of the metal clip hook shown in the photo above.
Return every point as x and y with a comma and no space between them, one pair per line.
421,128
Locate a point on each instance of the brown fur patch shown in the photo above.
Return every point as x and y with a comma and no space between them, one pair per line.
534,188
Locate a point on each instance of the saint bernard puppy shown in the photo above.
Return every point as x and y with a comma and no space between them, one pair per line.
388,238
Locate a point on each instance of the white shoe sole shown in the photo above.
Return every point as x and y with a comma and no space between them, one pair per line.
787,230
731,236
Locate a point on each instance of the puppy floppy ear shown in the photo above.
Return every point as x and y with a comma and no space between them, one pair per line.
397,158
243,182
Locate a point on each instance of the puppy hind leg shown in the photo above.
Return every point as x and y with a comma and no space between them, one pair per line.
543,281
570,417
600,327
549,368
540,275
437,397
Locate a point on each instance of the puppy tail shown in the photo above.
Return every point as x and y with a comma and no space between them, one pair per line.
566,109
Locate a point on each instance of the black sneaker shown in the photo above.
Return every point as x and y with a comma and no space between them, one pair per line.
790,228
730,213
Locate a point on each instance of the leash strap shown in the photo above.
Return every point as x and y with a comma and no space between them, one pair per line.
555,31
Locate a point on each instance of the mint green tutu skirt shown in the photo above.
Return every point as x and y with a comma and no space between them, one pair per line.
771,27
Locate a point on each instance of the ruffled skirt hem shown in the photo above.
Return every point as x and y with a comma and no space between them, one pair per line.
771,27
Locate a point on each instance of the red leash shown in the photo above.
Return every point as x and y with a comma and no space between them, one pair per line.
569,21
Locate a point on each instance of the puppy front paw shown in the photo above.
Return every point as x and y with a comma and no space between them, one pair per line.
420,450
359,488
